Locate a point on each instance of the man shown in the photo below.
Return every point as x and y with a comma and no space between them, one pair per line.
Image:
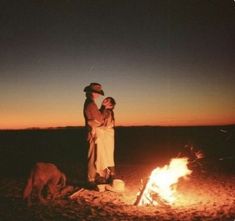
93,118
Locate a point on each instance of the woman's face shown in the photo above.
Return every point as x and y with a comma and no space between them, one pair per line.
108,104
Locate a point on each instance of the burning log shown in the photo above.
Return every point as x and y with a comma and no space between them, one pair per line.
159,188
142,193
145,196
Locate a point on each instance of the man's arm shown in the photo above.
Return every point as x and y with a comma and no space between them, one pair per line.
93,114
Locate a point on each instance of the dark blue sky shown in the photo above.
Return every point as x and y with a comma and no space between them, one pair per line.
170,61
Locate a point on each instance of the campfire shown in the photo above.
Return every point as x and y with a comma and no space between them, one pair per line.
160,187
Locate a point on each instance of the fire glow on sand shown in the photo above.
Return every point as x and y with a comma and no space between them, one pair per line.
160,188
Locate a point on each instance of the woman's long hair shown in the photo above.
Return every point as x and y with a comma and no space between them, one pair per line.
113,102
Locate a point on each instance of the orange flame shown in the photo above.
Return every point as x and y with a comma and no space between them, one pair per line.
160,186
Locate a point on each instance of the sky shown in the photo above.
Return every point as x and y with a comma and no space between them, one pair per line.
166,63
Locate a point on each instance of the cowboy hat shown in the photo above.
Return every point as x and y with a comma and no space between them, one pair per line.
94,87
117,186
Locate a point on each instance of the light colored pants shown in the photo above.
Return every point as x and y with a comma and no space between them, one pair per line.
91,173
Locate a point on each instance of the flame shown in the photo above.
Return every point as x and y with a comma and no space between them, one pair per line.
161,185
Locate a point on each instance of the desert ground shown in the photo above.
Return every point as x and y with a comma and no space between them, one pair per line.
207,194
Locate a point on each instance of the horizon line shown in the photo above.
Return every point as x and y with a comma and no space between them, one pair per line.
80,126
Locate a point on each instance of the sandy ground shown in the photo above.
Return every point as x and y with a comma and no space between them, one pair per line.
208,194
204,196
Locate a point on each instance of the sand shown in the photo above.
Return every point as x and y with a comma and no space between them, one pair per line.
207,194
203,196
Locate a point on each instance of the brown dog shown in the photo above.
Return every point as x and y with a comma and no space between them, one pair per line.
44,177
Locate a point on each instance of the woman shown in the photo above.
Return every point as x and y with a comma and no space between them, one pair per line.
105,165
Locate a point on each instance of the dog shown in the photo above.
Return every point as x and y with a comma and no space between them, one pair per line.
45,180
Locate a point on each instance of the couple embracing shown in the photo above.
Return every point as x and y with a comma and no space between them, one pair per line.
100,136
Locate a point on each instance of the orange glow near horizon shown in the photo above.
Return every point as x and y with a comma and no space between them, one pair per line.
47,121
168,107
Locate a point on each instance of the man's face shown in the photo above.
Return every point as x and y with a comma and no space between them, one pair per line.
95,95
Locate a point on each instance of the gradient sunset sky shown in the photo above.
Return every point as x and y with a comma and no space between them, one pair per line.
165,62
